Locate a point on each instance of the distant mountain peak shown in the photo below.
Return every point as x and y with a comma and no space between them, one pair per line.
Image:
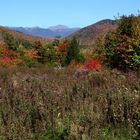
58,27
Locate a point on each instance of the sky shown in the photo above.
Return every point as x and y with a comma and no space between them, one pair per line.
72,13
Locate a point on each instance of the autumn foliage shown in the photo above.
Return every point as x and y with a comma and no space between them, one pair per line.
51,53
8,57
93,64
122,48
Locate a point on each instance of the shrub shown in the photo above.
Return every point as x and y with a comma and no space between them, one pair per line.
9,58
93,64
80,58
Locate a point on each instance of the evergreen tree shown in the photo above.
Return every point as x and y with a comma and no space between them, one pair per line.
72,52
10,41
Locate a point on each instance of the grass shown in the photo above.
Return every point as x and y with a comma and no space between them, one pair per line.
54,104
116,134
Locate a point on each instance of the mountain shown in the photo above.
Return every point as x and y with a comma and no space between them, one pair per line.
51,32
62,30
58,27
87,35
20,35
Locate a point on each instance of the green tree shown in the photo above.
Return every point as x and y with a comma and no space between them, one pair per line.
72,52
50,55
10,41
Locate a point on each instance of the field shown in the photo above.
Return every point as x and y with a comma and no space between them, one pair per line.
59,104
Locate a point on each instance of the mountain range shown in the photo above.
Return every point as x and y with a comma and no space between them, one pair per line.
51,32
19,35
86,35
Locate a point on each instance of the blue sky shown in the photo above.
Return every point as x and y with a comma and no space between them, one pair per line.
73,13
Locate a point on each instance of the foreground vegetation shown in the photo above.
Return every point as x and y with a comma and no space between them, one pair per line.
43,104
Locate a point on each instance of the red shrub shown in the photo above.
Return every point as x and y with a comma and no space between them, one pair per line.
9,57
63,47
10,53
93,64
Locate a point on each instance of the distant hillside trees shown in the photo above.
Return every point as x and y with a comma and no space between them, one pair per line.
13,43
54,53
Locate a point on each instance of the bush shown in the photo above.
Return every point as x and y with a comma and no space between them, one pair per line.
80,58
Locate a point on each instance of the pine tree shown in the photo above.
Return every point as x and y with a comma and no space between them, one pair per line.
10,41
72,52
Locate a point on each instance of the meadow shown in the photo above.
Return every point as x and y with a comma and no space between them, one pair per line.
57,104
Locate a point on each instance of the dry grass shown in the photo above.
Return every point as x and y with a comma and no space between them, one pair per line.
35,100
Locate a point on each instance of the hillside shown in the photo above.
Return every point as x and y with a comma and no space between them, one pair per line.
51,32
19,35
88,34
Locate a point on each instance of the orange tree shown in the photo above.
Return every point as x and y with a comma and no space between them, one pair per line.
41,52
29,57
61,50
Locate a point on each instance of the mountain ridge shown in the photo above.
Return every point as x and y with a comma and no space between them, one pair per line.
51,32
21,35
88,35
